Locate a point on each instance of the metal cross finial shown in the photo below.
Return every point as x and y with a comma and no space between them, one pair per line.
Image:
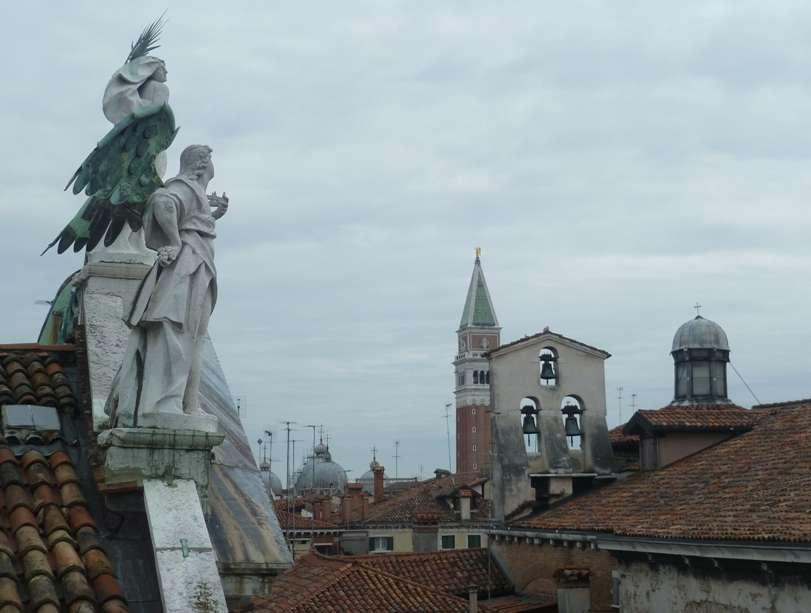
374,453
697,307
478,251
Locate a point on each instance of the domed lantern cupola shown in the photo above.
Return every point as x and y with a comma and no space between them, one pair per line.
700,354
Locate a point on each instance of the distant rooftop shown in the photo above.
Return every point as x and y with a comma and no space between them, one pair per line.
753,487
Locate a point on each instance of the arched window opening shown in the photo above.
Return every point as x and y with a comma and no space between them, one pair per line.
487,377
530,409
548,361
475,377
572,409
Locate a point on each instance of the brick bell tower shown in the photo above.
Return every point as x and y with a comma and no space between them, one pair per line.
478,333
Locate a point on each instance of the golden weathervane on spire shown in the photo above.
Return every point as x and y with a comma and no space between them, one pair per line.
478,251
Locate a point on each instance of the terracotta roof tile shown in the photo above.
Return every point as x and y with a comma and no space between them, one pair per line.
34,377
97,563
452,571
8,592
106,588
692,417
425,502
317,584
43,557
114,605
753,487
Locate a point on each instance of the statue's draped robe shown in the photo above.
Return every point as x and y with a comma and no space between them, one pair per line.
170,313
131,90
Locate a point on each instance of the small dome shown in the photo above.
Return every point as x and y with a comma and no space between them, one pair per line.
367,479
700,333
329,475
275,484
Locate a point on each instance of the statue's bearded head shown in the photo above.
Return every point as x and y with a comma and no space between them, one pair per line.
195,161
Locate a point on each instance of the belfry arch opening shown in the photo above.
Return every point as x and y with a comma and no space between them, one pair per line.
548,367
572,408
531,424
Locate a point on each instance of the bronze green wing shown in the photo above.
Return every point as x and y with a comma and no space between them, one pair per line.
118,177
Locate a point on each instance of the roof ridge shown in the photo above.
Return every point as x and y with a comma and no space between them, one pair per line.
323,584
547,330
371,573
784,403
423,586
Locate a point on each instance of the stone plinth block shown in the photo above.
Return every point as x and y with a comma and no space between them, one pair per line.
174,421
137,454
107,297
184,555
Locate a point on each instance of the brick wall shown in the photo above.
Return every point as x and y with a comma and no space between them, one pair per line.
468,418
532,568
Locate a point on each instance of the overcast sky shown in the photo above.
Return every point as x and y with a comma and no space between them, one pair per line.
616,161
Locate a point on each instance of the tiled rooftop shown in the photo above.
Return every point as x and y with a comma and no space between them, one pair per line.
753,487
453,571
51,558
515,603
692,417
295,521
34,378
620,440
426,502
318,584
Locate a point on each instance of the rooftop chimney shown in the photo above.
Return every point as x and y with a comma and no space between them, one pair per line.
353,505
321,509
473,599
464,504
377,485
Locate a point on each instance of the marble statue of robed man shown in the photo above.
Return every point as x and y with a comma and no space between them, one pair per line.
169,318
122,179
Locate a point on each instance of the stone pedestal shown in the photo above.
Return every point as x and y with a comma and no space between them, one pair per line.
137,454
202,422
173,467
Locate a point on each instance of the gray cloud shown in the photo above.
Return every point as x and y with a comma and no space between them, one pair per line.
616,162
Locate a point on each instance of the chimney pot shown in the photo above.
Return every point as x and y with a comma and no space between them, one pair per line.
378,482
473,600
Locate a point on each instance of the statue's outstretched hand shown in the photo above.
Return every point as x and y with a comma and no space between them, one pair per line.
220,203
167,255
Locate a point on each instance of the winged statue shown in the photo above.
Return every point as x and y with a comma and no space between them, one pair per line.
127,165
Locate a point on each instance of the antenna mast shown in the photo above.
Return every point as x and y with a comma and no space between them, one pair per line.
396,457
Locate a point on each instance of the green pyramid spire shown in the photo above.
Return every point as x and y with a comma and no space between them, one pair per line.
478,309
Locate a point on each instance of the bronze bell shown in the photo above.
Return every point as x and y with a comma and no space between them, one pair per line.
547,370
529,426
570,426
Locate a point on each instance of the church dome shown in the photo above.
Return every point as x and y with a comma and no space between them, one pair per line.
367,479
700,333
328,475
275,484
